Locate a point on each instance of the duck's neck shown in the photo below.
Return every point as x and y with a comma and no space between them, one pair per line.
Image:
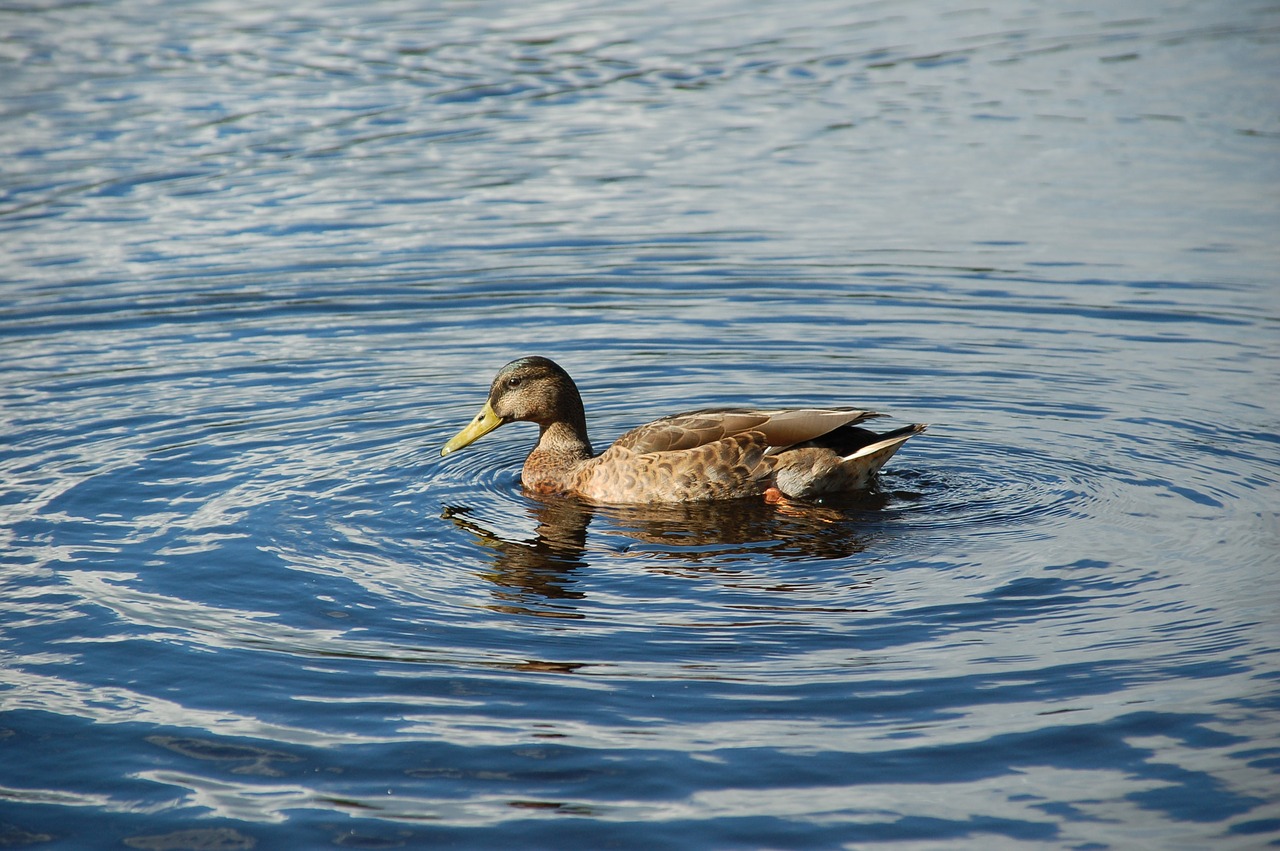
562,447
566,437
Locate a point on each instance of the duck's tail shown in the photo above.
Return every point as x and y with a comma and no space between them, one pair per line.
818,471
861,466
871,458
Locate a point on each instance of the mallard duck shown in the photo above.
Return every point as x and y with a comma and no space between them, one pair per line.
724,453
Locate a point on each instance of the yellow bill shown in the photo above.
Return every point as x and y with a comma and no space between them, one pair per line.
485,422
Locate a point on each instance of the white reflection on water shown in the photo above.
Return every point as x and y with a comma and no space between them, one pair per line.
1129,138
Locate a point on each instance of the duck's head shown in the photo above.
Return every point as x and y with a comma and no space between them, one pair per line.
532,389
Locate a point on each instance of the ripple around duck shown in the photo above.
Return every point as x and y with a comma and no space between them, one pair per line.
1007,490
953,484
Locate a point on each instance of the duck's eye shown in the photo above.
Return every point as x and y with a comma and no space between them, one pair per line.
513,383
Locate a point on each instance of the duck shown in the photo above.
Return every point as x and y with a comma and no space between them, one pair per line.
704,455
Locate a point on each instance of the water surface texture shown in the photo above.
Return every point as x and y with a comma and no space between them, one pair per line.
261,260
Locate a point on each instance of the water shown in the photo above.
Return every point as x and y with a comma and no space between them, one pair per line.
259,264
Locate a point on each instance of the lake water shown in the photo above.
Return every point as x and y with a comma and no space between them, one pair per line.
260,261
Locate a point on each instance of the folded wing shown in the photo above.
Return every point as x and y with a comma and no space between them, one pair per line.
778,428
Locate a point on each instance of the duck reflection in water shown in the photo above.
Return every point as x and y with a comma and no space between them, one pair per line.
536,575
539,569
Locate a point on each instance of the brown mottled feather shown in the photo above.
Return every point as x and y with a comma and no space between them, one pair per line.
716,454
777,428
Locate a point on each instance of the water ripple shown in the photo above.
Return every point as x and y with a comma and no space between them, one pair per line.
261,262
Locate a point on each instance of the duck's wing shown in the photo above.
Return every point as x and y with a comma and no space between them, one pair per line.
777,428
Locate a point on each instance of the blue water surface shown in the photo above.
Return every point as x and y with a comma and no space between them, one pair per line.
260,262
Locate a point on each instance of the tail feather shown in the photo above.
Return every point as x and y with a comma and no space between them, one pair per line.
815,471
867,461
890,440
